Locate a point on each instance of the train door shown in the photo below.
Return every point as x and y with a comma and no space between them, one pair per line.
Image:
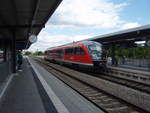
80,55
69,54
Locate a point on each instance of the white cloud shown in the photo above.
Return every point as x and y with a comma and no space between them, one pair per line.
75,14
130,25
89,13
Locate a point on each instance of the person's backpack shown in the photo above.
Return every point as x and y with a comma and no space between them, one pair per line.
19,57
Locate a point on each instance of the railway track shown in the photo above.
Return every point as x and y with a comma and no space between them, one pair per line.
138,76
101,99
138,85
122,81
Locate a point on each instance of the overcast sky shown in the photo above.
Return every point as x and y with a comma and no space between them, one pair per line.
76,20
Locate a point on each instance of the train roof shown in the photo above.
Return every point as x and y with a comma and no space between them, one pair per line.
63,45
78,42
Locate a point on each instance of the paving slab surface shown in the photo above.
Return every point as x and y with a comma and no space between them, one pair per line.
23,95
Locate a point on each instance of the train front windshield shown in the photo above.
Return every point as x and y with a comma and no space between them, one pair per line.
95,48
95,51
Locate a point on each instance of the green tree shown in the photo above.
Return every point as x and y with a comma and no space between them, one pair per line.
38,53
28,53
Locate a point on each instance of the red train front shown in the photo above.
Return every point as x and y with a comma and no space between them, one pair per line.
84,53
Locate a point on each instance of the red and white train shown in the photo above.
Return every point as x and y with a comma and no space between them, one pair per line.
83,53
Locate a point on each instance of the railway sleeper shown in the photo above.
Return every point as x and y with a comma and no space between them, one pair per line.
112,106
118,109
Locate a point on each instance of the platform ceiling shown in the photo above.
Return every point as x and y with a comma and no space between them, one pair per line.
125,36
24,17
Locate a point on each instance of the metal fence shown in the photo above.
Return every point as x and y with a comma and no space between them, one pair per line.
135,62
143,64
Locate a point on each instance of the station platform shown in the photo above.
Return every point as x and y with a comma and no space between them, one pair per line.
135,67
35,90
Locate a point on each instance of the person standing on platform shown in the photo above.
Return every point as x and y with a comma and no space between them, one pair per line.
19,60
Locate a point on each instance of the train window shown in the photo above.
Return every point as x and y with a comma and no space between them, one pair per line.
95,48
79,51
72,51
50,52
66,51
69,51
59,53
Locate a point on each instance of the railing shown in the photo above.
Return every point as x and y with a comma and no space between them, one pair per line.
134,62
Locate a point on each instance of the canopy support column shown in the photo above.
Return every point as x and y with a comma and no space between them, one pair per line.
113,54
5,52
14,52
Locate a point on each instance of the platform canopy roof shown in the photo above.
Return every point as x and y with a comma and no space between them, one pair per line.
130,35
24,17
